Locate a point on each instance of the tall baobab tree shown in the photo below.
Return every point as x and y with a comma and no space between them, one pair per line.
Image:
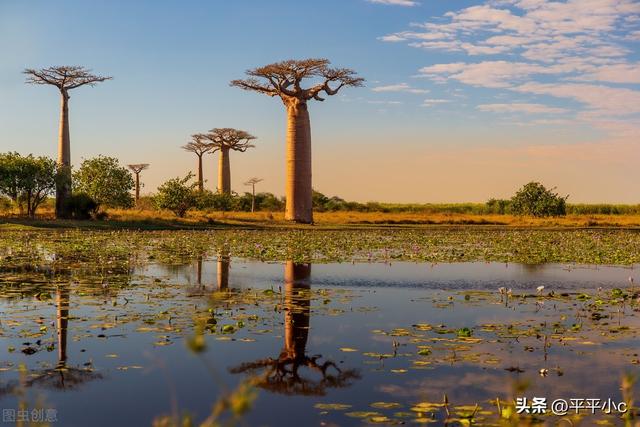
65,78
136,169
284,79
252,183
225,140
200,146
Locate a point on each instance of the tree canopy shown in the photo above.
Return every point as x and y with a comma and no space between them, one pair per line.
105,181
284,79
27,180
229,138
65,77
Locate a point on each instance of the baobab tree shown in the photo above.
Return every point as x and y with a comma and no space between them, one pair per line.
284,79
200,146
225,140
252,183
136,169
65,78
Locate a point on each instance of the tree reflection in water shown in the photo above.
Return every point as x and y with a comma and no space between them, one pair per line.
282,374
62,376
223,272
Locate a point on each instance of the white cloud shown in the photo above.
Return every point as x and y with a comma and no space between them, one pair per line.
579,51
430,102
400,87
616,73
395,2
384,102
520,108
604,100
538,31
492,74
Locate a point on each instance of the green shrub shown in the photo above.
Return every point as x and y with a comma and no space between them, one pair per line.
535,200
177,195
82,206
108,183
499,206
27,180
208,200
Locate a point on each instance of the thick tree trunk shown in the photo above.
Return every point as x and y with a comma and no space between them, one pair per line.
63,186
224,172
299,206
223,272
297,300
137,187
200,174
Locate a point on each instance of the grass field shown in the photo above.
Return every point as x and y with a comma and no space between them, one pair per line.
380,218
152,219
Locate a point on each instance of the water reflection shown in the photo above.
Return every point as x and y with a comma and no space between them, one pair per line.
223,264
62,376
283,374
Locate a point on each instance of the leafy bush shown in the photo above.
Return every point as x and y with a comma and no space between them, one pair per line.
82,206
535,200
27,180
177,195
105,181
499,206
208,200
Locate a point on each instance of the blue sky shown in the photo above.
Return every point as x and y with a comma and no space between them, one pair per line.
464,100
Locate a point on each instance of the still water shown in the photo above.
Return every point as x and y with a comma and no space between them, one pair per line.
327,344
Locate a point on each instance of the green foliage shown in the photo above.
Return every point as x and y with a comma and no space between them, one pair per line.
177,195
105,181
82,206
208,200
499,206
535,200
27,180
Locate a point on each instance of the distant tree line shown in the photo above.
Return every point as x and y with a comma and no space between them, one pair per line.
29,182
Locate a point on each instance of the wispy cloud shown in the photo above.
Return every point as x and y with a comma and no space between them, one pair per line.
577,50
395,2
400,87
520,108
430,102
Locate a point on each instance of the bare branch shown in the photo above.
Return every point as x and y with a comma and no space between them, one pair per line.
229,138
199,145
63,77
139,167
253,181
284,79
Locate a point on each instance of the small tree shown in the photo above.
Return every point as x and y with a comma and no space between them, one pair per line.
536,200
27,181
137,169
252,183
177,195
199,146
226,140
105,181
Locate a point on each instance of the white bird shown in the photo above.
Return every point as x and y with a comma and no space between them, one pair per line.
539,289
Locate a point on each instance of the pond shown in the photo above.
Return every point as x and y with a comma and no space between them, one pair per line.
220,339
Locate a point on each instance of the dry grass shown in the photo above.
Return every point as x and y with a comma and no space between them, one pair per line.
380,218
341,218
